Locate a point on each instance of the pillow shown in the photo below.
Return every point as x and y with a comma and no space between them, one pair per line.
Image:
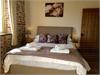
36,38
62,38
69,39
51,38
42,38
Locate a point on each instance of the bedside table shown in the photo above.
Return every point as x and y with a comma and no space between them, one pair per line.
5,46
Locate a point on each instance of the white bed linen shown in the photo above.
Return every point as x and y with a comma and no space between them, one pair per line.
45,62
69,45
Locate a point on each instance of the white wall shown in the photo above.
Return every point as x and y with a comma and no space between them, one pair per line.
35,14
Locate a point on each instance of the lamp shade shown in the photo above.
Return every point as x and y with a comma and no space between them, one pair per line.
27,32
75,37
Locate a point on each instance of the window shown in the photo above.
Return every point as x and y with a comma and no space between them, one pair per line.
0,16
9,17
5,16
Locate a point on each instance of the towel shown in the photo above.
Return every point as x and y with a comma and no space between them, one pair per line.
60,46
60,51
30,48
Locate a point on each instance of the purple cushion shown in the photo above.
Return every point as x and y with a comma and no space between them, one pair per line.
62,38
51,38
42,38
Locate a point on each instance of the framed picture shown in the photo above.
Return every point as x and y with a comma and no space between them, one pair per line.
54,9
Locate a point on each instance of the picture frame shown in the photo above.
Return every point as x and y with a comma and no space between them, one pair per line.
54,9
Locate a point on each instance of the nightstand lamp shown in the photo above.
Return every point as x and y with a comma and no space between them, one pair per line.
75,39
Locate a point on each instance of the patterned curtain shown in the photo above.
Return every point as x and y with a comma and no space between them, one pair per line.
20,21
14,20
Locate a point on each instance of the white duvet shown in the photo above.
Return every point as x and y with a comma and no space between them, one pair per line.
44,62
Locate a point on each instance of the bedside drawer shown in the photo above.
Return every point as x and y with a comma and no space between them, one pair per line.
5,44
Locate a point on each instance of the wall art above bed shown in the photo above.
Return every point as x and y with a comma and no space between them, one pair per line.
54,9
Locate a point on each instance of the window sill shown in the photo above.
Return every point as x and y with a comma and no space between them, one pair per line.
2,33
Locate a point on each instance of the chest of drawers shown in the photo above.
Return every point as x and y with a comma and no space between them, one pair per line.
5,45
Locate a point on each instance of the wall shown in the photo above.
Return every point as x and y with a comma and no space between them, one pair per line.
35,14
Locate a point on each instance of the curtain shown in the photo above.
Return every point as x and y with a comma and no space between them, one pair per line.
12,6
8,25
4,27
20,21
6,17
14,20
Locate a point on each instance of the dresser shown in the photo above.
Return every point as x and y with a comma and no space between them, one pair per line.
5,46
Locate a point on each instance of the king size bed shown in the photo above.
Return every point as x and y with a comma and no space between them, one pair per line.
40,57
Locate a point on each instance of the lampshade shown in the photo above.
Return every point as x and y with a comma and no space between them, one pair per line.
27,32
75,37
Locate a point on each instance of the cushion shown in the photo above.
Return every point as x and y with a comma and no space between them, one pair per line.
62,38
42,38
51,38
69,39
36,38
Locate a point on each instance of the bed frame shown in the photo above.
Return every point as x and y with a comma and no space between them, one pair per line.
20,69
54,30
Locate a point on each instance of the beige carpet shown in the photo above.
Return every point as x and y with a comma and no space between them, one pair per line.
19,69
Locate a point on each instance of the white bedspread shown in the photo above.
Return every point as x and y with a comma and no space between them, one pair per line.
44,62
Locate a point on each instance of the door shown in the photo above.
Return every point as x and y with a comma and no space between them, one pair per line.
90,38
90,29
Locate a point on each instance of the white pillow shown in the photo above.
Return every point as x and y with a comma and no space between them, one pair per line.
36,38
69,40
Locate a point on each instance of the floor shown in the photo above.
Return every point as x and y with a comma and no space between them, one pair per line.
92,57
15,69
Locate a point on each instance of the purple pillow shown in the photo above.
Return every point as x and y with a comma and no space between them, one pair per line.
51,38
42,38
62,38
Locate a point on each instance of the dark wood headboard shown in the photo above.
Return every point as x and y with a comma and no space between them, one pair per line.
54,30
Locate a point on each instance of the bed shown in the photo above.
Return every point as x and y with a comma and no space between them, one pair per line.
43,61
